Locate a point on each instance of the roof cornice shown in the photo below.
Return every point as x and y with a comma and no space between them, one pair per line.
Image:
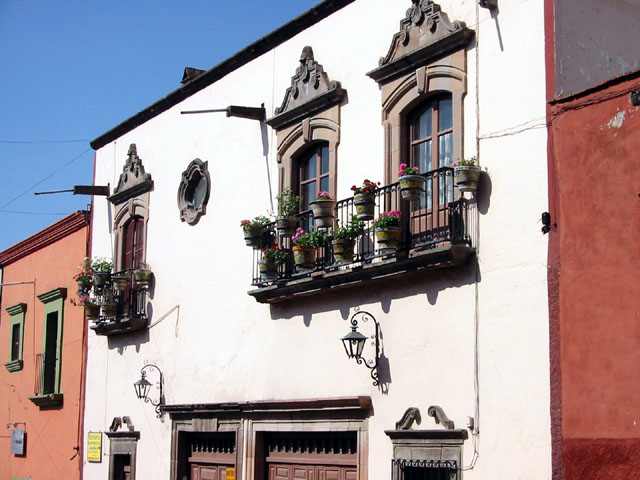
244,56
68,225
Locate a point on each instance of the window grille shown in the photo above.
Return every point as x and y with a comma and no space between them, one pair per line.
424,469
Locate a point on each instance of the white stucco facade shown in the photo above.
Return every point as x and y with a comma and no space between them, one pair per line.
215,343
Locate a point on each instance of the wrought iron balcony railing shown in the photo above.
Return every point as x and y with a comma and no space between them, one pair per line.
122,302
46,388
437,219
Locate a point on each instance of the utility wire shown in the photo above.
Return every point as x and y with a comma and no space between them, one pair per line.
44,179
31,142
35,213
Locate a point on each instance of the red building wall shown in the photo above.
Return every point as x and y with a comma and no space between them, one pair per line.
52,434
594,260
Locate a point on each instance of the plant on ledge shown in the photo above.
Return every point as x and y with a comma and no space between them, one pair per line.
84,277
344,239
254,230
411,182
305,249
467,174
272,258
324,208
143,274
288,207
388,231
364,199
101,269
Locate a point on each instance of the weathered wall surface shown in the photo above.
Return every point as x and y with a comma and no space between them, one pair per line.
220,345
595,147
594,42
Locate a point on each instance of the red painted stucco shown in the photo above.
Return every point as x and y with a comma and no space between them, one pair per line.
51,434
594,262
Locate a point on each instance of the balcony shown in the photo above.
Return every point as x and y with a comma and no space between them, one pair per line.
122,304
437,231
45,390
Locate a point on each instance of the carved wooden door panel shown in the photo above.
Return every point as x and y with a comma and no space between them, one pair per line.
208,472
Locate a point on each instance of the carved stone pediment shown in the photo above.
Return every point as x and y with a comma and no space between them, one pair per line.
310,91
426,33
133,180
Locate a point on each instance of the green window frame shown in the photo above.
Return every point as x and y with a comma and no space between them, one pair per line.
16,336
51,363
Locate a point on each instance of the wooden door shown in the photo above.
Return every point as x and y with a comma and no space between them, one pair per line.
311,472
208,472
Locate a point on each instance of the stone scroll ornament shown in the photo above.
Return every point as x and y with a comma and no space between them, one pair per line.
424,24
310,91
133,179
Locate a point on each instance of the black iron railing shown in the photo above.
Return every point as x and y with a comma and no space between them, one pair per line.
435,219
424,469
121,297
45,374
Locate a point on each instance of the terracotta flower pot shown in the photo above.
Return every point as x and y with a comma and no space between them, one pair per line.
286,225
343,250
324,211
91,311
100,279
253,235
365,205
467,177
411,186
119,282
142,276
108,309
268,269
305,257
84,285
388,239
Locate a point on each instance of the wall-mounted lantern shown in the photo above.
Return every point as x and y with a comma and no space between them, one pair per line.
142,387
354,343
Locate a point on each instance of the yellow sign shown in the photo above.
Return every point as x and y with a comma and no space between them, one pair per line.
231,473
94,447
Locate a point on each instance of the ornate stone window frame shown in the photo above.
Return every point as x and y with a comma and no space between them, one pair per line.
309,114
130,198
123,442
16,314
427,57
195,172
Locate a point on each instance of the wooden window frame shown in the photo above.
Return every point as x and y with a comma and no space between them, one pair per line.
431,103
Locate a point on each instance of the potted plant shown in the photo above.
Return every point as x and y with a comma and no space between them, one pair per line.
364,199
119,281
101,269
84,277
467,174
143,274
305,249
108,306
411,182
344,239
254,230
288,208
324,209
388,231
91,308
272,258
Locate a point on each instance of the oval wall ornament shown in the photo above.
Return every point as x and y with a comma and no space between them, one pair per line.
193,192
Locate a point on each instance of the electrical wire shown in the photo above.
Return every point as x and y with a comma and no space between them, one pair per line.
44,179
32,142
36,213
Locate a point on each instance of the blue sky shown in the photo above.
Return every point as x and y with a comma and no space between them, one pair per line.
72,70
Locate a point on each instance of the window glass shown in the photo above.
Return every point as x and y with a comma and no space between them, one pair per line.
422,125
445,114
324,153
15,342
309,167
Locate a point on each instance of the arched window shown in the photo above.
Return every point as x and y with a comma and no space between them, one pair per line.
133,242
431,135
313,173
